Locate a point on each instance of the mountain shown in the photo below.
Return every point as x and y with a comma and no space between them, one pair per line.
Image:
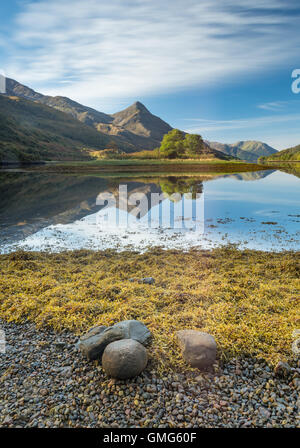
31,131
286,155
138,120
136,127
245,150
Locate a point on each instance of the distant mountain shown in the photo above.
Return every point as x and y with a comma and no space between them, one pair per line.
31,131
135,127
286,155
251,175
245,150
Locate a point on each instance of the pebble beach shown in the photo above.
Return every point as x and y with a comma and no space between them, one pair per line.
45,382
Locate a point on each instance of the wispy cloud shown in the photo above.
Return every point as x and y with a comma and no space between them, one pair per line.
275,106
248,123
118,49
279,131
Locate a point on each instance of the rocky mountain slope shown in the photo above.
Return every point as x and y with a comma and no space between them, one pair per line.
136,127
30,131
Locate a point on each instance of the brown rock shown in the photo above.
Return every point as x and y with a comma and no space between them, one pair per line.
124,359
198,349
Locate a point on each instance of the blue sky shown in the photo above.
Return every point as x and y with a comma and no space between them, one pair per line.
221,68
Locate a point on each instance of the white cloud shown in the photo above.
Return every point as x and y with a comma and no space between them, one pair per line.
109,51
278,131
274,106
247,123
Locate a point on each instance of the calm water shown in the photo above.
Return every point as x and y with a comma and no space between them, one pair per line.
56,212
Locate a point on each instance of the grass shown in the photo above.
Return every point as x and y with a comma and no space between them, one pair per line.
146,166
117,162
248,300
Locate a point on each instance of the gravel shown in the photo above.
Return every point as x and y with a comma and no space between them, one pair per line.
45,382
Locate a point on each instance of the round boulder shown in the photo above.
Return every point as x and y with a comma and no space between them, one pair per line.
124,359
198,349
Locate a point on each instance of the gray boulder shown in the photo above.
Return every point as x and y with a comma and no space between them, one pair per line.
93,343
134,329
124,359
198,349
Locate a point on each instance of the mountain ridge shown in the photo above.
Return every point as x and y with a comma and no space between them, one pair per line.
31,131
286,155
134,126
249,150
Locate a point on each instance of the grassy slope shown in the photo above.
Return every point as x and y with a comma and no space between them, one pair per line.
246,299
30,131
287,155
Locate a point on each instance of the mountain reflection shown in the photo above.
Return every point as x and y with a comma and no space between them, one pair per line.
32,201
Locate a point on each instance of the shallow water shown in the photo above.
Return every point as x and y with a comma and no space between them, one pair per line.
259,210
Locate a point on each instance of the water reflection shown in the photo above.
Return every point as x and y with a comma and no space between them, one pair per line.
57,212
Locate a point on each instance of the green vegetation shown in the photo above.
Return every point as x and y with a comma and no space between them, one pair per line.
248,300
173,145
151,166
287,155
177,145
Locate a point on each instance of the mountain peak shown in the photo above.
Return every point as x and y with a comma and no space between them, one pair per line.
139,105
140,121
136,106
136,126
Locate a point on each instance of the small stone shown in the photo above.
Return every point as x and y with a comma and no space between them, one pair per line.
148,280
282,369
264,413
59,345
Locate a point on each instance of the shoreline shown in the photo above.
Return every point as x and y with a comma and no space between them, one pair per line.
143,166
236,295
246,299
45,383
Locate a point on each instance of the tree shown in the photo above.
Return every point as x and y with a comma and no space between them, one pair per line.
193,144
172,145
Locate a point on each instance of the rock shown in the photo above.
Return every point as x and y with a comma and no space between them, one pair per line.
43,392
93,343
148,280
66,371
134,329
282,369
199,349
264,413
124,359
59,345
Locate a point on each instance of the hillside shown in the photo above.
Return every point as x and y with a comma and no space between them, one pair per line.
136,127
245,150
286,155
31,131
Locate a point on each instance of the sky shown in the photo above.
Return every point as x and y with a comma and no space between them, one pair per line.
221,68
